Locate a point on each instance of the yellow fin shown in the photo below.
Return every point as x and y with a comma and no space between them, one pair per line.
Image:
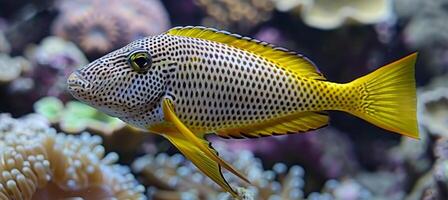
201,144
300,122
204,163
285,59
389,97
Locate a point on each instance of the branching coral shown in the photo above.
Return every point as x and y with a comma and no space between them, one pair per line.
101,25
172,177
329,14
36,162
236,13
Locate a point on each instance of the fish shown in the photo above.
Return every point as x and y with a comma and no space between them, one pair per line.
193,81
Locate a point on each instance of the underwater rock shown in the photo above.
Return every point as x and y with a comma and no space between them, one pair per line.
38,163
174,177
329,14
53,60
239,14
12,67
100,26
433,106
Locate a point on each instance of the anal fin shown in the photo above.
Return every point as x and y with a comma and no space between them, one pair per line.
295,123
203,162
198,150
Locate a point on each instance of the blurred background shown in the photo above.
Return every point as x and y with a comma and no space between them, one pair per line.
53,146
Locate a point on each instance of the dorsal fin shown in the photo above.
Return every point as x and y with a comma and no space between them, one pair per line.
285,59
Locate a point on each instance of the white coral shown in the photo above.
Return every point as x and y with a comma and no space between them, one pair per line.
330,14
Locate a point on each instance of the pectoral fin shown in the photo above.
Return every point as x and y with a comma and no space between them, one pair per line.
198,149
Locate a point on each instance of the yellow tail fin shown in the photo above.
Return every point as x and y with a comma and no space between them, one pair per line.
388,97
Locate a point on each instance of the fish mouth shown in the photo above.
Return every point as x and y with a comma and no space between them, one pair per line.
76,80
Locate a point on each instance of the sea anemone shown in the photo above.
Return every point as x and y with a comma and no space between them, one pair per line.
99,26
75,117
241,14
36,162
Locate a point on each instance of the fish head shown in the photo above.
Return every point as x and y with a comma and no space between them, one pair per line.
123,83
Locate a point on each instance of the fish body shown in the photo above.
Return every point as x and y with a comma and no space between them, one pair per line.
192,81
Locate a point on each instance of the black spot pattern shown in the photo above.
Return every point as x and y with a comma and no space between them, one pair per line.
213,85
218,86
117,89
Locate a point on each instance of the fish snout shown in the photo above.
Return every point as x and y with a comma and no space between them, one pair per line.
77,81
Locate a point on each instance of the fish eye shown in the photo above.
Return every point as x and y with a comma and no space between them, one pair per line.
140,60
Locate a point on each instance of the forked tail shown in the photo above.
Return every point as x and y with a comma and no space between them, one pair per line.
388,97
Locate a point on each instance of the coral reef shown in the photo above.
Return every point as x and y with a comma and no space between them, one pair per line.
53,59
42,73
75,117
12,67
5,47
327,151
274,36
241,14
327,14
425,30
100,26
173,177
347,189
433,106
42,41
433,184
36,162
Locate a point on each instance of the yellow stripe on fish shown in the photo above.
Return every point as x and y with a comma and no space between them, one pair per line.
192,81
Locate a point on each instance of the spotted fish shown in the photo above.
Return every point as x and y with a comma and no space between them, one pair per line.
192,81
